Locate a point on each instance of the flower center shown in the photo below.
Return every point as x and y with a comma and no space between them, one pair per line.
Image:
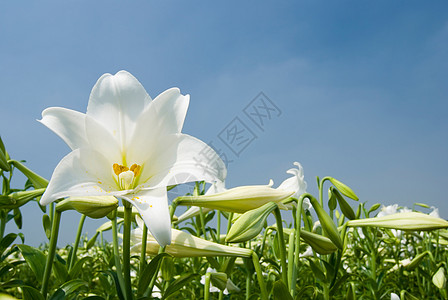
126,176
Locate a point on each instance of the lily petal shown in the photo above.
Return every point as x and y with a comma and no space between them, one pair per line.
181,154
164,116
82,172
116,101
67,124
153,207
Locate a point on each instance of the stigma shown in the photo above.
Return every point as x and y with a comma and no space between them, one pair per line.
126,176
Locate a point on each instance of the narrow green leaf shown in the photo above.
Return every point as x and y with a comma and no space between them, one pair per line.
30,293
149,272
177,284
35,260
46,222
373,208
18,218
78,266
72,285
6,241
280,291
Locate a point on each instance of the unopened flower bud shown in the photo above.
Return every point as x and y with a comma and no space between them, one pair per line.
239,199
250,224
319,243
439,278
403,221
327,224
94,207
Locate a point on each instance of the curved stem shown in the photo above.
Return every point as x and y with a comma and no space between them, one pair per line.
75,246
51,252
321,190
127,251
278,218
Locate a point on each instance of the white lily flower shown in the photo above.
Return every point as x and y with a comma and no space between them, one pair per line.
128,146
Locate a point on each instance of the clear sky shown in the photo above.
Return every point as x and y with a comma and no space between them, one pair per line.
360,86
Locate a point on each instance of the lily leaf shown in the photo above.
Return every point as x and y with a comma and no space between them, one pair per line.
35,260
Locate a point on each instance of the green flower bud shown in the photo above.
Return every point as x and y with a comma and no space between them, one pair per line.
439,278
94,207
344,189
219,280
250,224
403,221
416,261
184,244
327,223
320,244
17,199
345,207
239,199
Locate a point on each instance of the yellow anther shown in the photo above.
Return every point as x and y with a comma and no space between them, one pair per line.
136,169
119,169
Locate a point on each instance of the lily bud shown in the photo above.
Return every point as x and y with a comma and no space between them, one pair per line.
184,244
94,207
18,199
416,261
403,221
239,199
319,243
346,209
439,278
219,280
327,224
250,224
344,189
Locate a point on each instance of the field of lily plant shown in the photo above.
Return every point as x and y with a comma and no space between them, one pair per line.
128,151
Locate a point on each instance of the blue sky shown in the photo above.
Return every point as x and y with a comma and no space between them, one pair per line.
361,85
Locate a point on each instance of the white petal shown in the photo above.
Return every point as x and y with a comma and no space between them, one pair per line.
164,116
116,101
296,183
83,172
68,124
180,154
103,142
153,207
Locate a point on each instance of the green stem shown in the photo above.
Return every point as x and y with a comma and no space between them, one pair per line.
51,252
207,286
278,218
291,246
127,251
248,282
218,226
298,222
143,250
321,190
261,283
75,247
201,215
116,252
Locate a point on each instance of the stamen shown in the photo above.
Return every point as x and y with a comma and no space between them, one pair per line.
126,176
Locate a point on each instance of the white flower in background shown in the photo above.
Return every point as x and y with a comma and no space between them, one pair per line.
388,210
394,296
296,183
128,146
435,212
308,252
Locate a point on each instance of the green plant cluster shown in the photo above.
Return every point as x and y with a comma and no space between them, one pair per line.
330,260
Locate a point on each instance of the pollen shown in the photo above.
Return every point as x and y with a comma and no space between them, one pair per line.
126,176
